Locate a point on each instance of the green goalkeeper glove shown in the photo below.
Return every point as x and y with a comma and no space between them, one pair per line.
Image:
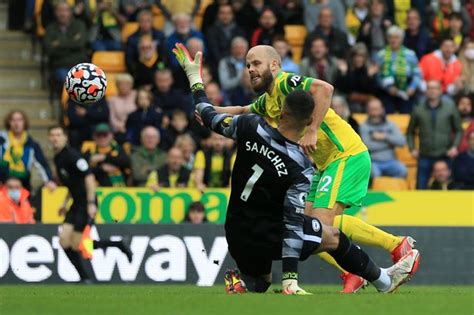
193,68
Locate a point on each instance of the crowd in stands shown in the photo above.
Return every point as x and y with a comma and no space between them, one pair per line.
403,73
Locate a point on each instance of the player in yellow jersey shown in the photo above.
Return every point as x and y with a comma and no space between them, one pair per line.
341,157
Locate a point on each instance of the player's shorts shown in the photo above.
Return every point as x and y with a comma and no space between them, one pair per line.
345,180
77,216
256,262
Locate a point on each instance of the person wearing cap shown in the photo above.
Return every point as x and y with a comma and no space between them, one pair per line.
108,161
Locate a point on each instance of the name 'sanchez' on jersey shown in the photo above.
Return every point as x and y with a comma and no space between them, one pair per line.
280,166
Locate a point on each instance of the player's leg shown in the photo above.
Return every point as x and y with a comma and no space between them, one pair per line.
118,244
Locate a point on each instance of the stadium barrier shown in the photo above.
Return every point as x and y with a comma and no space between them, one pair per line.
197,254
143,206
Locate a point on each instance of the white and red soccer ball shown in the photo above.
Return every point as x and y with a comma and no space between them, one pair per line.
85,83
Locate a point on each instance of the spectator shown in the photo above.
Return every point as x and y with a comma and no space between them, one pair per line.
465,137
210,14
463,167
144,115
469,6
373,29
105,33
247,17
464,104
381,138
171,175
83,119
292,12
194,45
270,26
221,34
399,75
334,37
145,28
147,157
183,32
148,62
354,18
196,213
187,145
319,64
108,161
398,11
16,207
65,42
283,49
214,94
213,166
438,124
179,125
19,152
467,63
441,177
131,8
443,65
312,13
357,78
417,37
339,105
167,98
122,105
231,70
455,30
171,8
440,14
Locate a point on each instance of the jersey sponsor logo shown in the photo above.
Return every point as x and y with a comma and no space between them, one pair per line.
315,225
82,165
274,158
294,80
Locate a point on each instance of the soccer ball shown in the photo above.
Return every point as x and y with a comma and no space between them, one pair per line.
85,83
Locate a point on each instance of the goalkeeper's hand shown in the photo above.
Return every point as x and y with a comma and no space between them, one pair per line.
193,68
290,287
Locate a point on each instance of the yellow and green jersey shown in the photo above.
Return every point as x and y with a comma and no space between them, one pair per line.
336,138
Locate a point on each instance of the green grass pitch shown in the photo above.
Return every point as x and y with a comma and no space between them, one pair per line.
186,299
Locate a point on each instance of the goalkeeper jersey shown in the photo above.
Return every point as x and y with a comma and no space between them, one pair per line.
336,138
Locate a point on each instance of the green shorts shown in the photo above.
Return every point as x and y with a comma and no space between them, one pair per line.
345,180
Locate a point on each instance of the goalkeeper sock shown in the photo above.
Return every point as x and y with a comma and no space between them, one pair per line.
353,259
366,234
75,259
330,260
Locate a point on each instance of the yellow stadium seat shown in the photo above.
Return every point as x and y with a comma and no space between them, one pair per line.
297,52
198,21
204,5
389,183
403,155
295,34
111,84
360,118
155,10
40,30
411,177
110,61
88,145
159,21
401,120
128,29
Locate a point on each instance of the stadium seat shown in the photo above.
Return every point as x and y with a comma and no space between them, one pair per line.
389,183
204,5
359,117
403,155
295,34
198,21
110,61
401,120
159,21
111,84
40,30
88,145
411,177
128,29
64,106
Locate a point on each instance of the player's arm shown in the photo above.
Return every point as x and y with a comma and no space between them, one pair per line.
322,95
233,110
91,187
293,235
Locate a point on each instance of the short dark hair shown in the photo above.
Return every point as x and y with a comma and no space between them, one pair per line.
196,206
9,116
300,105
456,16
57,127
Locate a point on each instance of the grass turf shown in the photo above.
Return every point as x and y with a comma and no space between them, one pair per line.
186,299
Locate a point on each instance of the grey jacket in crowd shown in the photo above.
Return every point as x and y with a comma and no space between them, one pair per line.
437,135
383,150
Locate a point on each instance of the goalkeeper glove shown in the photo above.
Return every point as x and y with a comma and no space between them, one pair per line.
193,68
290,287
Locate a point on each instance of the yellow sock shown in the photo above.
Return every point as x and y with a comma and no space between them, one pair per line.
330,260
363,233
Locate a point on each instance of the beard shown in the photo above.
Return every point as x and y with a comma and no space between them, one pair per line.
266,82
